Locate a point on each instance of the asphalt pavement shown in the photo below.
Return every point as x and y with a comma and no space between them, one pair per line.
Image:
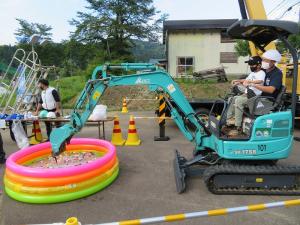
146,187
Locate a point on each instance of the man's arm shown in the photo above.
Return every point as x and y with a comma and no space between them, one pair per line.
58,107
233,82
57,101
266,89
247,82
275,84
257,79
38,108
242,81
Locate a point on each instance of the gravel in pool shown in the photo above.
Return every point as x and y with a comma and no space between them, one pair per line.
65,159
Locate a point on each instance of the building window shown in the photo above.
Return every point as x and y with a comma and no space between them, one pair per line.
228,57
185,66
225,38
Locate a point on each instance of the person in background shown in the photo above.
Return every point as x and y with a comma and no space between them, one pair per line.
49,101
256,77
2,152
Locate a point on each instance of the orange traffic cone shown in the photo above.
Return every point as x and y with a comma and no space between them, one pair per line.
36,137
132,138
116,137
124,107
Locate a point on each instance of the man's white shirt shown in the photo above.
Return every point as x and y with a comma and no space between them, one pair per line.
260,75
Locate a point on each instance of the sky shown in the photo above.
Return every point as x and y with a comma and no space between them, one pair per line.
58,13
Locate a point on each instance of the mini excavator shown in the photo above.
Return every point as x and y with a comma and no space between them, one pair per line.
228,165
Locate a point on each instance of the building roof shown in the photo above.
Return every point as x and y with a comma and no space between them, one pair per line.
156,61
176,25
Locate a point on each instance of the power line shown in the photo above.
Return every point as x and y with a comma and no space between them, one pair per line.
285,6
278,5
289,9
281,9
272,10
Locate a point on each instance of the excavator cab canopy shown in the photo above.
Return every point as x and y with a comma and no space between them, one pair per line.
262,32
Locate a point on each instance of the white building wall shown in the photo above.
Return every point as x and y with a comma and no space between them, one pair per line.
205,47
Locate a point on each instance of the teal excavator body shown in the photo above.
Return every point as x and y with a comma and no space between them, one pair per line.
271,134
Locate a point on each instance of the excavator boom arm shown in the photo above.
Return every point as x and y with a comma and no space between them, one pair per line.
148,75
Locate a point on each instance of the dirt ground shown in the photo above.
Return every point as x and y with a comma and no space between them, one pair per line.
146,188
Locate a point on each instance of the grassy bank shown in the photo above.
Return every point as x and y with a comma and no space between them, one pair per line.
71,87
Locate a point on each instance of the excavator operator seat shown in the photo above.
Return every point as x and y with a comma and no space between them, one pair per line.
261,105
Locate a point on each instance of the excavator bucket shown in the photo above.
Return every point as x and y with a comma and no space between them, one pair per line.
60,137
179,172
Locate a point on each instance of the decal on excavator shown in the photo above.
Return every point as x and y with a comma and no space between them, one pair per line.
140,80
96,95
244,152
171,88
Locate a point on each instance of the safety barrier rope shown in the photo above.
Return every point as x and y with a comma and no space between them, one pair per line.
152,117
140,99
192,215
215,212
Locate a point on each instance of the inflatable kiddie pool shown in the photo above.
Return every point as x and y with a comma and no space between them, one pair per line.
28,178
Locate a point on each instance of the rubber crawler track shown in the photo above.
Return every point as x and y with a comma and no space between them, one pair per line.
235,169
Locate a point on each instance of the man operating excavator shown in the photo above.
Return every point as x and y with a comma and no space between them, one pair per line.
272,82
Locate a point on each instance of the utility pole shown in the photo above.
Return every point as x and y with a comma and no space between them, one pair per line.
299,15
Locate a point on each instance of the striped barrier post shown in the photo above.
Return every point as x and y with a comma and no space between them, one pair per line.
192,215
161,120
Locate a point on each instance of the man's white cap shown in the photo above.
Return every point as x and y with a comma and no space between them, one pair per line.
272,54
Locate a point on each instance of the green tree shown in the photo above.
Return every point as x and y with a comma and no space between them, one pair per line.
6,53
242,48
115,23
27,29
293,39
143,51
81,53
49,53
